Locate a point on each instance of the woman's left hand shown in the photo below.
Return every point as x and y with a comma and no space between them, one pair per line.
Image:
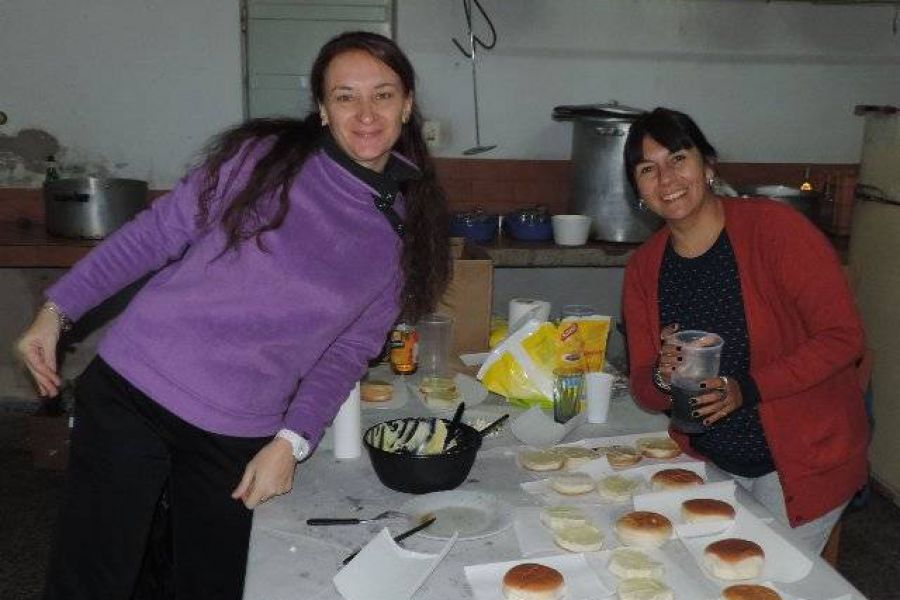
721,397
269,473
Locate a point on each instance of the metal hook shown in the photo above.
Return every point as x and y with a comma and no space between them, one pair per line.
474,39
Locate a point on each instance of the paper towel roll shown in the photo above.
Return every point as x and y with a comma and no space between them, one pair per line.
522,309
347,428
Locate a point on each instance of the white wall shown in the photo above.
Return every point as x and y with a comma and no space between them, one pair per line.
134,87
767,81
127,87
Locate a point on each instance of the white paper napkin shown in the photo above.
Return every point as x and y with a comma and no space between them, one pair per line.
783,562
669,504
384,571
536,428
581,582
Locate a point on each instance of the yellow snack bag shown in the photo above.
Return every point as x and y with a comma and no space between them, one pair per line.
521,366
587,335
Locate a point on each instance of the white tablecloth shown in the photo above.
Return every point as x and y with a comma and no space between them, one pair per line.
292,561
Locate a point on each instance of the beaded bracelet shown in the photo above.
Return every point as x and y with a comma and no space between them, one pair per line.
659,381
65,323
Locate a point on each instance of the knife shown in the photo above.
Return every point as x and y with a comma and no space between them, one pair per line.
399,538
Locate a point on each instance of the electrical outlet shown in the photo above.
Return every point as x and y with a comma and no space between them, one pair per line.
431,131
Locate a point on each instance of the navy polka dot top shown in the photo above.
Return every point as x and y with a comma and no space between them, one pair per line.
705,293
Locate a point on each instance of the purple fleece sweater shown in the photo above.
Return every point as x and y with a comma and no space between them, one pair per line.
251,342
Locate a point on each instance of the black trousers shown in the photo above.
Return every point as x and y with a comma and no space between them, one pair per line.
124,450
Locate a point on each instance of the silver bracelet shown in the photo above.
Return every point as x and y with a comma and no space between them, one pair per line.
659,381
65,323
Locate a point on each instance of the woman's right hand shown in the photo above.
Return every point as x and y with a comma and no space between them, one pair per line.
37,349
669,354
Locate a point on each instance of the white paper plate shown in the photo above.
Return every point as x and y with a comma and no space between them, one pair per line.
473,515
470,391
582,583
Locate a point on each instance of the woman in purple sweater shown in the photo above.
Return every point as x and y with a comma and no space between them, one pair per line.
279,266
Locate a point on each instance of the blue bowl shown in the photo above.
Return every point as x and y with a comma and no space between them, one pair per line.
528,231
476,229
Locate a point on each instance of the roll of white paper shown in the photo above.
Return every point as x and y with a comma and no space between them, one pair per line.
523,309
347,429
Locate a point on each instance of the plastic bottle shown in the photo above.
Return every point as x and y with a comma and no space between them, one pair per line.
52,172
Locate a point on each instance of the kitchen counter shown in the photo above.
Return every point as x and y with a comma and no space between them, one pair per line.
505,252
26,243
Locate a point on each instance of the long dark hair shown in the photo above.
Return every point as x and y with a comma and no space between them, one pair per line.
426,254
670,128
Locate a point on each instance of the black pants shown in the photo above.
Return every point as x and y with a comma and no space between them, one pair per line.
124,449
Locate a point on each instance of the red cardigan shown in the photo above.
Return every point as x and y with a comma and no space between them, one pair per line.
805,340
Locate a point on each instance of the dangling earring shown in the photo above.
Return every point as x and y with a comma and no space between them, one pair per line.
641,204
405,118
711,182
324,119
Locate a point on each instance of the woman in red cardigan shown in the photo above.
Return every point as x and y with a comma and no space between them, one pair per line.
786,417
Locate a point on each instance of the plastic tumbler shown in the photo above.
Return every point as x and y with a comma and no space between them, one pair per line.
701,352
435,337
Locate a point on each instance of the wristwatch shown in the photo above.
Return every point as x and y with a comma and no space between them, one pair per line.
299,444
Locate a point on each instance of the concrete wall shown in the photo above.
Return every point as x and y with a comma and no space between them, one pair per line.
134,87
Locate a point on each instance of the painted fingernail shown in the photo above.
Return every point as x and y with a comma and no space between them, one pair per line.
680,359
695,414
702,386
678,348
693,401
706,422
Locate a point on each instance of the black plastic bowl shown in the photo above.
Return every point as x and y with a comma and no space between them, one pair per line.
423,473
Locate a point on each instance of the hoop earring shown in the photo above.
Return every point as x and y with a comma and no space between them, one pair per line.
404,119
641,204
711,182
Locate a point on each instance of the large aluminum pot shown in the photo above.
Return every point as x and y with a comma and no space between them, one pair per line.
91,207
600,188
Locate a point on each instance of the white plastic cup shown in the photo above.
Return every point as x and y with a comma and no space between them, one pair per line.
571,230
598,389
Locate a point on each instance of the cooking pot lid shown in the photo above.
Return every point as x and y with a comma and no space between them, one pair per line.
611,110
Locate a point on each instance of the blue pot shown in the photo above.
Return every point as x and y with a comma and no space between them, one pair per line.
474,226
529,225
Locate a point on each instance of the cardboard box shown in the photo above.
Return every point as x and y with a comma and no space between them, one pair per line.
469,296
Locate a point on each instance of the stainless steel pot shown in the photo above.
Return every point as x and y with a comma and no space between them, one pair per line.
91,207
809,203
600,188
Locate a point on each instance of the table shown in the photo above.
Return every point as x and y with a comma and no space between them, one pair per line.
290,560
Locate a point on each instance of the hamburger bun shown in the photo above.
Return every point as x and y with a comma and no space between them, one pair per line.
674,479
701,510
734,559
749,592
620,457
576,455
628,563
617,488
565,515
572,484
541,460
375,391
429,385
579,538
658,447
644,588
533,581
643,528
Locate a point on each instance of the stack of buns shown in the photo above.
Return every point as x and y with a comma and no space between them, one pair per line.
658,447
533,581
749,592
628,563
571,484
617,488
620,457
702,510
375,391
579,538
576,456
643,528
734,559
541,460
566,515
674,479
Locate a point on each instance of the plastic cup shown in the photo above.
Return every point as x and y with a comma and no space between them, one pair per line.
435,337
578,311
701,353
598,390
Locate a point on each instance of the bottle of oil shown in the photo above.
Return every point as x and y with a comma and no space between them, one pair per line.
404,349
52,171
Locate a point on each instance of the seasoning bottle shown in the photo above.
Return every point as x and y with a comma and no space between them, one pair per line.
52,171
404,349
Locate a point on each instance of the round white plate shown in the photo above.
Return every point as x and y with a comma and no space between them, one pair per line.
470,391
473,515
